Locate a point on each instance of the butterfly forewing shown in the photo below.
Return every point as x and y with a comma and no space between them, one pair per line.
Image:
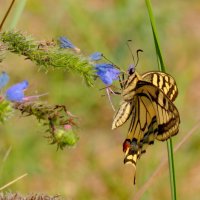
164,82
167,115
123,114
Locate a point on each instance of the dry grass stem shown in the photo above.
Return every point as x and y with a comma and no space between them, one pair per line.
12,182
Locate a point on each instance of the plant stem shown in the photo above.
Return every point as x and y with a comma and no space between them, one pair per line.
155,36
6,15
162,68
171,168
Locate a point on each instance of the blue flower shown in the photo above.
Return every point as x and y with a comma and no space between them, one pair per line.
95,56
16,92
107,73
65,43
4,78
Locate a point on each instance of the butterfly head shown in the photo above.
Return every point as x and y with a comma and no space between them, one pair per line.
129,89
131,69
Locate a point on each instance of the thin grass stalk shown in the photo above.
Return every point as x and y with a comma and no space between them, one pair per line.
13,181
16,16
6,15
161,67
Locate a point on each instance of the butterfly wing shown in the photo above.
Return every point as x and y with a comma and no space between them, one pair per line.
156,117
127,105
163,81
142,131
167,115
143,126
123,114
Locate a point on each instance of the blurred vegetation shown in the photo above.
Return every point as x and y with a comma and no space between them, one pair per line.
94,169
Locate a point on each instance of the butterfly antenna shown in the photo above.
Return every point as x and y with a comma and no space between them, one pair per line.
130,50
139,50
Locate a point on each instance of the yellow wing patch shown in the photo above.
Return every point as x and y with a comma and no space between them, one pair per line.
164,82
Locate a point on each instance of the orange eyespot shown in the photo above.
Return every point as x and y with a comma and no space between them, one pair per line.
126,145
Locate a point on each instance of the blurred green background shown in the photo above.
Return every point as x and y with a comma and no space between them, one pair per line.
94,168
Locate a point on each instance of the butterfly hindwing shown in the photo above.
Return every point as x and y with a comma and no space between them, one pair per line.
142,131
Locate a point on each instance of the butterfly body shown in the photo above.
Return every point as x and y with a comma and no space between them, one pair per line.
147,100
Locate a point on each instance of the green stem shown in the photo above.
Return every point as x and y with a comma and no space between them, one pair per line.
162,68
171,168
155,36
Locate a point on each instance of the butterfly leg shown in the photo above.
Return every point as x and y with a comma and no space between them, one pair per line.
121,81
110,91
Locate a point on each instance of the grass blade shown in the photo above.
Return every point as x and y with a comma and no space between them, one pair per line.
155,36
162,68
17,13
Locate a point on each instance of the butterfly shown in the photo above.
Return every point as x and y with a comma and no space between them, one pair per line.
147,100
